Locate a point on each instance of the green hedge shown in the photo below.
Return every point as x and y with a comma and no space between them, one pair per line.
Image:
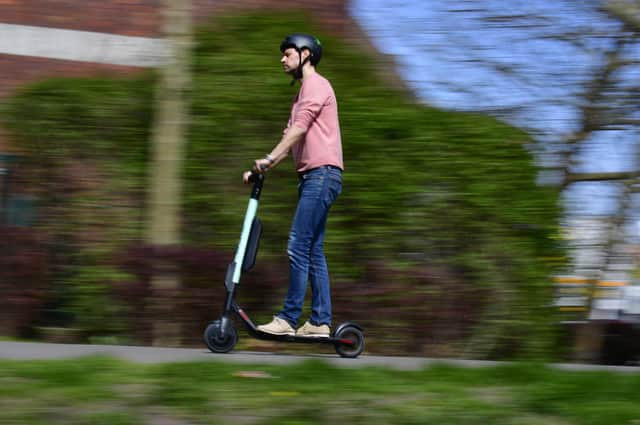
423,188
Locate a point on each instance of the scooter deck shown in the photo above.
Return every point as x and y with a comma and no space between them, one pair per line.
299,339
256,333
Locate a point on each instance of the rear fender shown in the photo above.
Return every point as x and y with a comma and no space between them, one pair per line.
348,324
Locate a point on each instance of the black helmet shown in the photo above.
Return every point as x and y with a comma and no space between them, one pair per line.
303,41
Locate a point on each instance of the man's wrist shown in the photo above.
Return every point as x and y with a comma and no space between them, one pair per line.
270,159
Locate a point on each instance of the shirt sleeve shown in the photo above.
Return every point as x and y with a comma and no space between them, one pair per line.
312,98
287,127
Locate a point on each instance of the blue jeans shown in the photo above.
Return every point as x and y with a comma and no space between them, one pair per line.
317,191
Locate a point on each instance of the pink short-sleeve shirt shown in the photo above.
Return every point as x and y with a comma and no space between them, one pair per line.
315,110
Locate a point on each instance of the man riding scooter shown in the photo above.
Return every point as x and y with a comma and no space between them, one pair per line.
313,137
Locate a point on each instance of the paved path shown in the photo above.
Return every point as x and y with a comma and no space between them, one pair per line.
42,351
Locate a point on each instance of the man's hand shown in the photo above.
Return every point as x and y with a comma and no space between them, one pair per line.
261,165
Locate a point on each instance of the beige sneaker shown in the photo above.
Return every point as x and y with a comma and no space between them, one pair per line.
277,326
308,329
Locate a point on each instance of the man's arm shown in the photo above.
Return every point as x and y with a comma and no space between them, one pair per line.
294,135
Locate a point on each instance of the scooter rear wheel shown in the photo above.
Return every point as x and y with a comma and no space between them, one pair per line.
218,343
356,337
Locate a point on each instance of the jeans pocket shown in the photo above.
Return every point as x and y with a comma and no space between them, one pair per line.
334,189
312,186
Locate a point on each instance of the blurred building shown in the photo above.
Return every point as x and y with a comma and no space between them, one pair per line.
40,39
599,297
601,284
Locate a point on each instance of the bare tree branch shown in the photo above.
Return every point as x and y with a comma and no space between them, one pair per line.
625,11
598,177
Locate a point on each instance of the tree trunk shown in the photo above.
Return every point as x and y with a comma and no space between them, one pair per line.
165,191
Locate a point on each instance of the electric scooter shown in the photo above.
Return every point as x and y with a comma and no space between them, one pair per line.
221,336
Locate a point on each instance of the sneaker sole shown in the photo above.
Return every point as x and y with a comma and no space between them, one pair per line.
314,335
277,333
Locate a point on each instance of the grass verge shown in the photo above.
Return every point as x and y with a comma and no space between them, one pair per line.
103,390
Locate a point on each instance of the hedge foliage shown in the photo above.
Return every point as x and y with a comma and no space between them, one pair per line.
435,199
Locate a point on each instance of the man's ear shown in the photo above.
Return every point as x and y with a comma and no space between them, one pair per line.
305,53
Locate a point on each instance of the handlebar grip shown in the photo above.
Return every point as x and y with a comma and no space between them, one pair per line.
256,176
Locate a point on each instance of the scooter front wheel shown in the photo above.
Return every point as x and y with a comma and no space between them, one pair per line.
218,343
352,341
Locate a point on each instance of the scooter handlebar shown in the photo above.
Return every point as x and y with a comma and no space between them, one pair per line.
256,177
252,176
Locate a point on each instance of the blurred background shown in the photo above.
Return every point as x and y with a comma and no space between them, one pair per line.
490,201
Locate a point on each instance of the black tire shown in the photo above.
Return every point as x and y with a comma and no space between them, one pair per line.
350,350
215,342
